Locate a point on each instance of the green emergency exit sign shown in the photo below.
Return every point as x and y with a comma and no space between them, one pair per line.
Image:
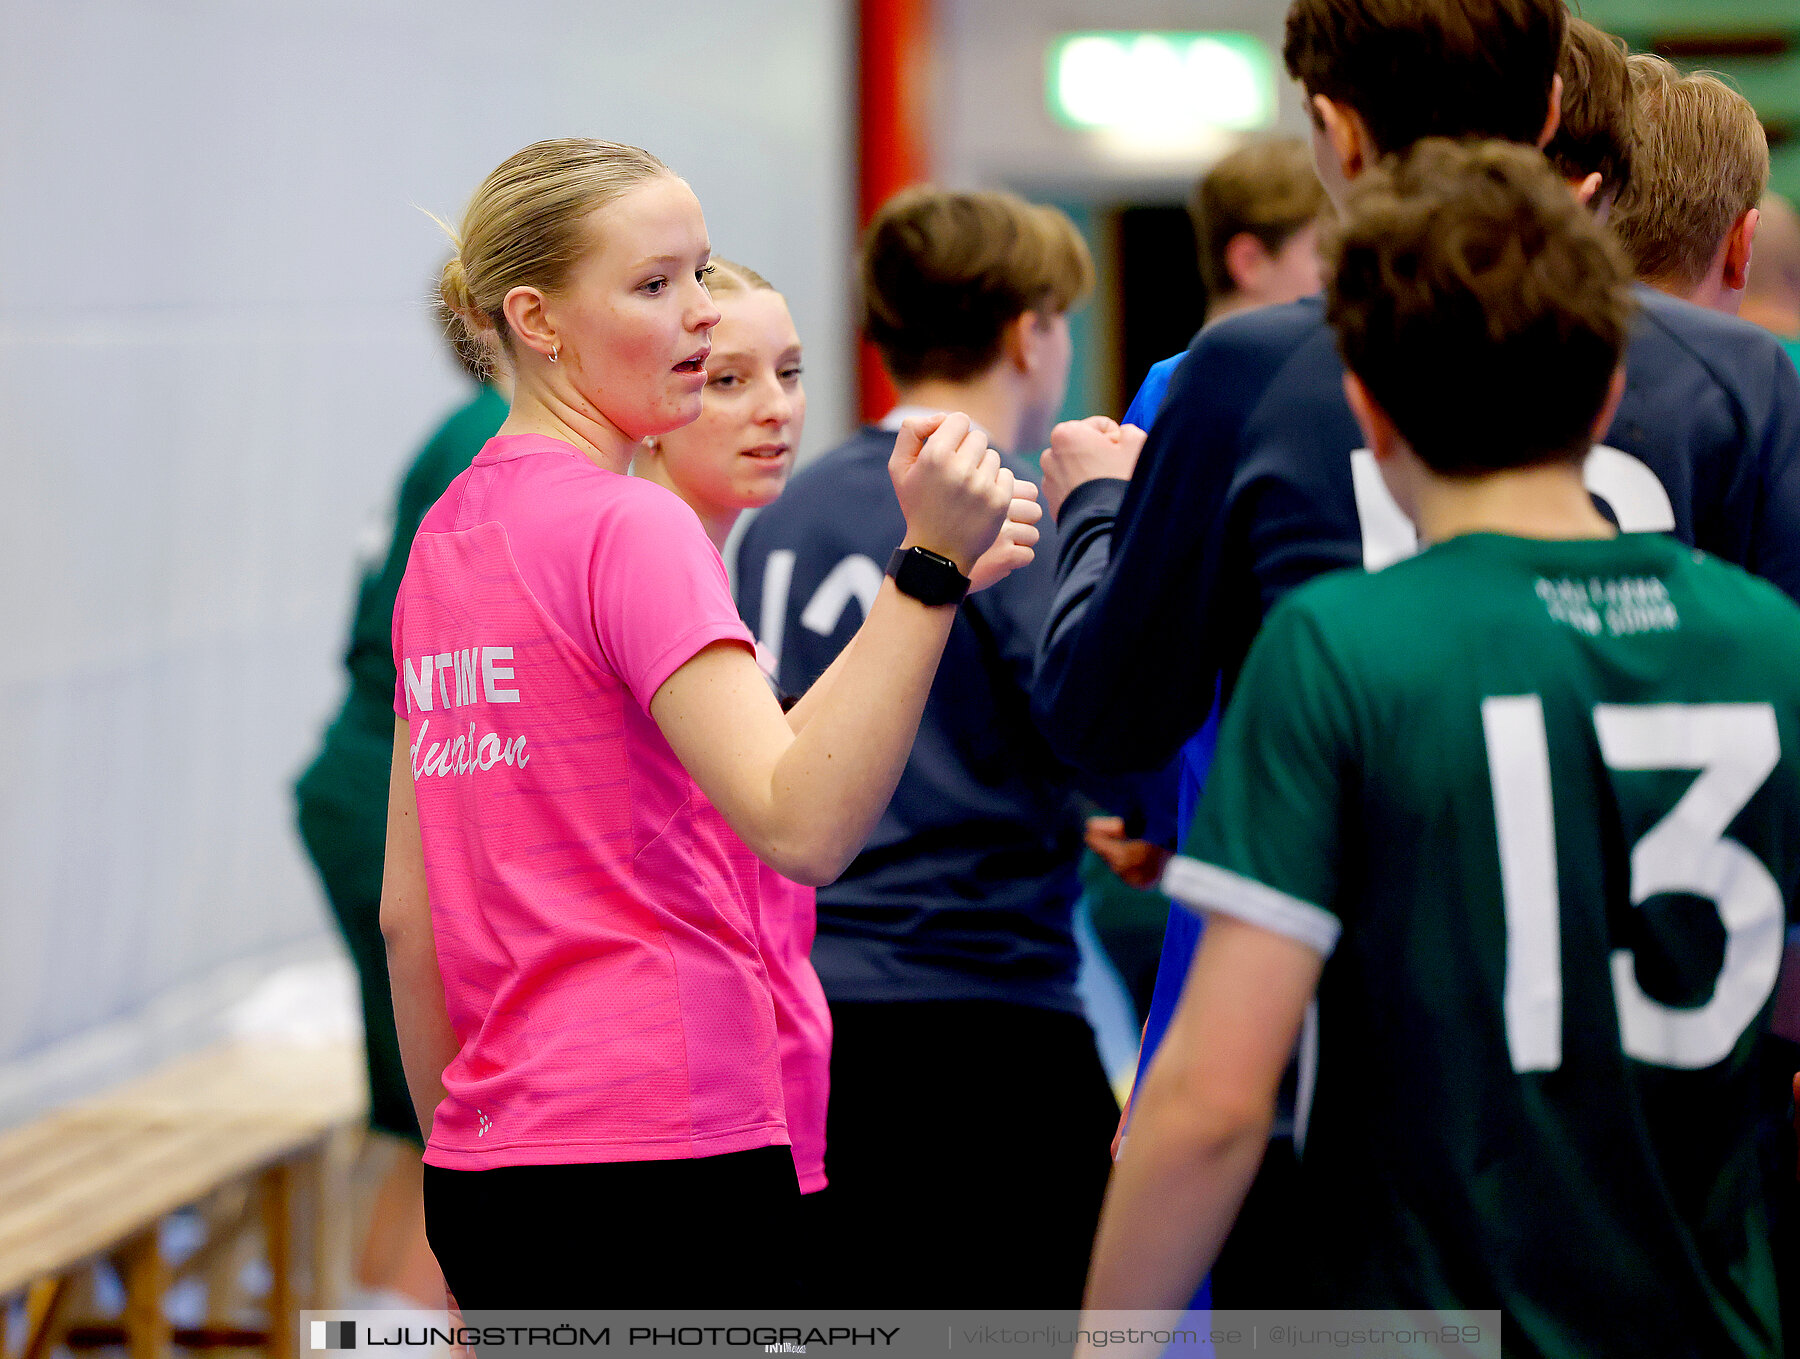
1161,82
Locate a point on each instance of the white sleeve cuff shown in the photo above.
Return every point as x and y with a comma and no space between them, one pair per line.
1207,887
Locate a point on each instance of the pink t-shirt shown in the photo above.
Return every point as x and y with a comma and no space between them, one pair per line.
790,917
596,920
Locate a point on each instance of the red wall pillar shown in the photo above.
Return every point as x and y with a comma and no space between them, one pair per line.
894,84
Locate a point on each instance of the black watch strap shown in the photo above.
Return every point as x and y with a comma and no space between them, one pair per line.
926,576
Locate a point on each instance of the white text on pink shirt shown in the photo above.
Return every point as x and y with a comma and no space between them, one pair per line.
471,675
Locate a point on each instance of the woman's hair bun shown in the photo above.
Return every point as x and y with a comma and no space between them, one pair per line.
469,332
454,289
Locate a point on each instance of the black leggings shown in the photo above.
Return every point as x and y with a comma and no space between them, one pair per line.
709,1232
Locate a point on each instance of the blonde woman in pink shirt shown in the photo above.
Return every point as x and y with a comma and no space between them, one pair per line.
589,767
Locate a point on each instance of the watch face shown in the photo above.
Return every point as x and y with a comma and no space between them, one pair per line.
927,577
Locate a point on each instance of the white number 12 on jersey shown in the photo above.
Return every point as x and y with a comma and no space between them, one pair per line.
1735,746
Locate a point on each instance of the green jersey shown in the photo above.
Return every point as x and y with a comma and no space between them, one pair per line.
1538,804
350,773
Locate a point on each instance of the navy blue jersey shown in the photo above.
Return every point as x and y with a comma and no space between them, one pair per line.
964,889
1251,484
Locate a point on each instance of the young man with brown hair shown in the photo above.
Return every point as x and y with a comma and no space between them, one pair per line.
1256,216
1530,1068
1256,478
1701,162
1592,145
965,1085
1256,227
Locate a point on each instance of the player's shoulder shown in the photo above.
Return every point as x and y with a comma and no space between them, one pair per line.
573,497
1741,358
1351,608
1732,586
1264,337
1334,605
1235,366
1741,623
1162,372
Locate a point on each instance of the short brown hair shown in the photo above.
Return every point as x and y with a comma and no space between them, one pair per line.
1430,68
944,274
1599,112
1699,162
1268,189
1483,309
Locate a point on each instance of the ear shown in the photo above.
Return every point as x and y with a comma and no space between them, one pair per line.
525,311
1615,393
1347,134
1378,431
1246,260
1553,119
1740,243
1585,189
1022,342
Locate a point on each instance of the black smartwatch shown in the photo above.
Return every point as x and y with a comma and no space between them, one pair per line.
926,576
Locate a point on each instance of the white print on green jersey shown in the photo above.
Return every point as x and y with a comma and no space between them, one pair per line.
1639,502
1623,605
1735,746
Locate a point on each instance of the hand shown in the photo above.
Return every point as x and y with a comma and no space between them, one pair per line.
952,487
1138,862
1085,450
1119,1136
1013,548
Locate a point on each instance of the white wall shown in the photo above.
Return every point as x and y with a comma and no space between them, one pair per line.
215,357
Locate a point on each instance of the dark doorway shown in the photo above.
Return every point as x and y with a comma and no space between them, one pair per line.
1161,299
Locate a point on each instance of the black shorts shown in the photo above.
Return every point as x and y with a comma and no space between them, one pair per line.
707,1232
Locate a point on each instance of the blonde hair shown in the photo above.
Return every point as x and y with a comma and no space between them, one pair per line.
728,276
523,227
1699,161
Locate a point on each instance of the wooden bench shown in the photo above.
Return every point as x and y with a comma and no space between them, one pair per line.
258,1137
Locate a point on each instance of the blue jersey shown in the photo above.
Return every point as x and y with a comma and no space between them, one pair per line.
1253,481
1150,396
965,889
1182,934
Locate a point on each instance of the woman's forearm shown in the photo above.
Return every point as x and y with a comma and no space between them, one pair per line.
806,801
427,1042
802,711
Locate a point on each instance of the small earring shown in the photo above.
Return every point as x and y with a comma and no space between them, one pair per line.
553,352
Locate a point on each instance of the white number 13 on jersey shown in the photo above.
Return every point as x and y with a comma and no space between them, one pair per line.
1735,746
